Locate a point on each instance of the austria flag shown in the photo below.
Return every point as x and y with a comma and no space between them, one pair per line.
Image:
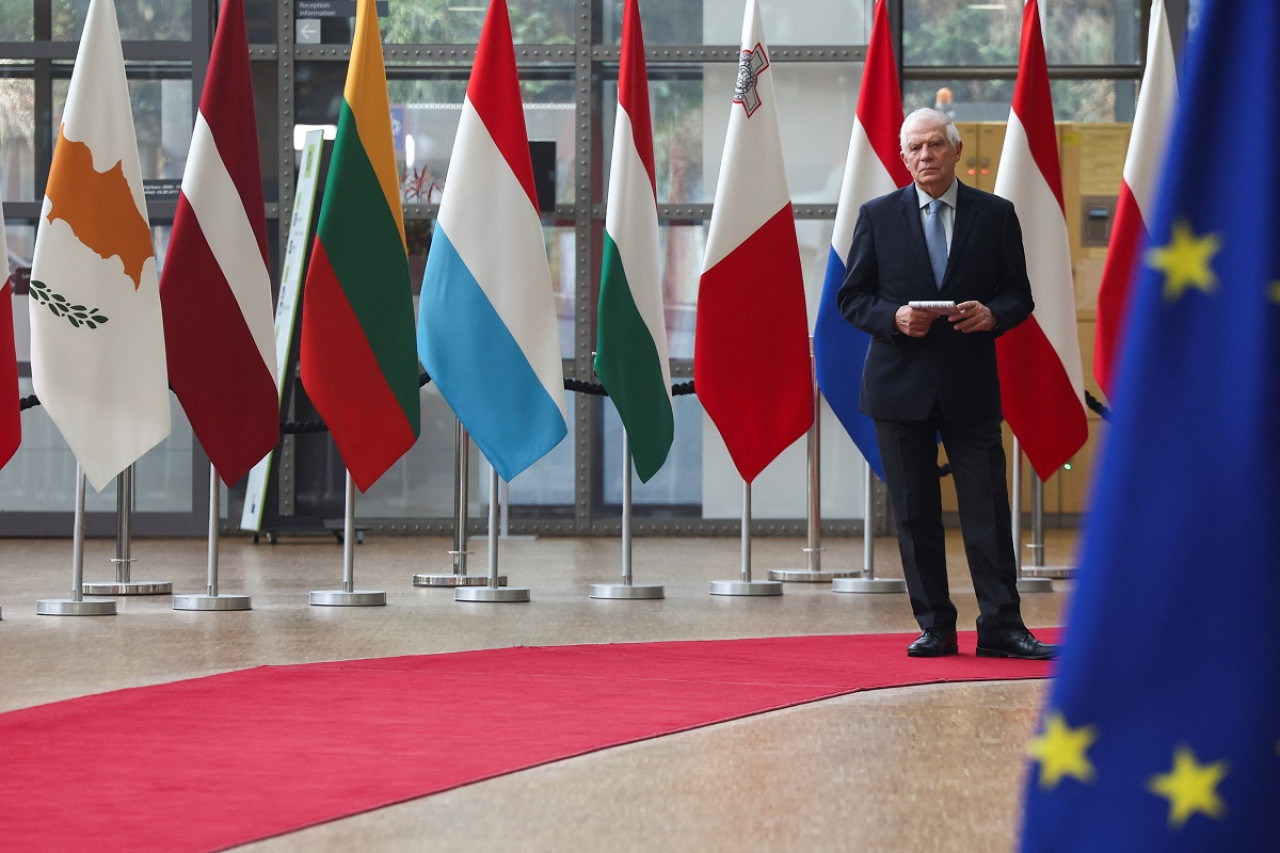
215,291
1041,378
751,351
1157,100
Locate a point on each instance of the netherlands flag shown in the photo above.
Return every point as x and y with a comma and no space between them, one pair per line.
1157,100
1041,377
487,326
874,168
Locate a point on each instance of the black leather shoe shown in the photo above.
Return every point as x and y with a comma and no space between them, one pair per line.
1017,644
934,643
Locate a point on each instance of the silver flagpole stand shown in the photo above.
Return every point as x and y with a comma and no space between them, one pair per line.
626,589
1025,584
122,585
868,582
212,600
348,596
1038,569
813,550
461,487
495,589
746,586
77,605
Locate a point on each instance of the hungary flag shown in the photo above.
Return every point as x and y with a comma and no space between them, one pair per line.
358,358
631,331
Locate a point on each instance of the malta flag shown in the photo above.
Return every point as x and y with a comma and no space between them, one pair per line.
356,353
10,408
751,350
215,289
1157,101
874,167
631,330
488,333
1041,377
97,337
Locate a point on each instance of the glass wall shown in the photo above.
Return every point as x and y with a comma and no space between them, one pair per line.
958,54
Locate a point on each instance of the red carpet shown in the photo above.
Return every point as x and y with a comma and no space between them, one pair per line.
209,763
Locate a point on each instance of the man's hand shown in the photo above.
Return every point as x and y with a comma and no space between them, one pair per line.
915,322
972,317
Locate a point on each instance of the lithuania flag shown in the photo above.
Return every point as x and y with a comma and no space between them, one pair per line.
631,339
358,357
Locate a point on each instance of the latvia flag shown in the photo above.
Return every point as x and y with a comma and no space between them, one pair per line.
215,291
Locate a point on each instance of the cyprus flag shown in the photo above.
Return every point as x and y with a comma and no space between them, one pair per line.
97,338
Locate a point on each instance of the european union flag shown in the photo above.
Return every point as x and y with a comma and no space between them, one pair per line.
1162,729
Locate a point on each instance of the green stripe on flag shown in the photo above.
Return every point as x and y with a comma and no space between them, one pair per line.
628,365
362,240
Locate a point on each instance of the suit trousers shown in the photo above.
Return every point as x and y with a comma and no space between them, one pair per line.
909,451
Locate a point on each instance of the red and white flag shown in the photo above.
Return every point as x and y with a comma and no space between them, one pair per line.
215,290
1157,101
10,410
751,350
97,338
1041,376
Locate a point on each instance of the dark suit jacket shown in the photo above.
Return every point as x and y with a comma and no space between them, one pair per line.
905,378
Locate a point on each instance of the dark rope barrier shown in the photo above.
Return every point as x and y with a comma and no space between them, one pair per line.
578,386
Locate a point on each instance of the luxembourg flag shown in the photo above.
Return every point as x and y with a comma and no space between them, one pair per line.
1041,377
1157,101
487,326
874,167
751,349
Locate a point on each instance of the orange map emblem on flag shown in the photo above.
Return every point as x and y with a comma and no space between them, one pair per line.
98,206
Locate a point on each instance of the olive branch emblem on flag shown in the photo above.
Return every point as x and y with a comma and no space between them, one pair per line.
76,315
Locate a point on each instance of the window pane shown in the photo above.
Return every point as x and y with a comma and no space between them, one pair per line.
139,20
1076,32
816,103
826,22
17,139
990,100
15,20
162,115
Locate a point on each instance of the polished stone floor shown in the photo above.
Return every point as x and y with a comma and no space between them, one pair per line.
935,767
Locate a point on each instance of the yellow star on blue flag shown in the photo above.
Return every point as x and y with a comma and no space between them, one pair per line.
1190,787
1169,657
1186,261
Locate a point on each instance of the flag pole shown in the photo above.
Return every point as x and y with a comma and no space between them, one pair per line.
461,497
77,605
348,596
1038,569
813,573
211,600
1025,583
496,589
868,582
122,585
626,589
745,585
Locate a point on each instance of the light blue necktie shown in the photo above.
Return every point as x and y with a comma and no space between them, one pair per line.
935,237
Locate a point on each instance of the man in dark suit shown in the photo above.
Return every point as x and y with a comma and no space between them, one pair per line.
932,371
